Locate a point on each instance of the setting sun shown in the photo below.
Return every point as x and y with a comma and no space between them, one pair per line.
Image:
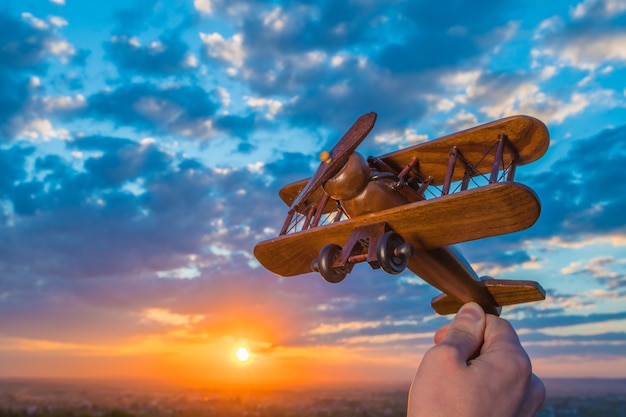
242,354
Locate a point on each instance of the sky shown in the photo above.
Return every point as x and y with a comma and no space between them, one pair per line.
143,144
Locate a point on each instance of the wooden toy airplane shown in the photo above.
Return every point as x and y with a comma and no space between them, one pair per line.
405,208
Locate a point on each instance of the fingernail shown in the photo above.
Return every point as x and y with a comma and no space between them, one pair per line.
471,310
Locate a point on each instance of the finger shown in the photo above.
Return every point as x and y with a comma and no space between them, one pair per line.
501,339
534,398
441,333
466,331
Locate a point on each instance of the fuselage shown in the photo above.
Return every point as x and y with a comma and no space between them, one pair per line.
361,190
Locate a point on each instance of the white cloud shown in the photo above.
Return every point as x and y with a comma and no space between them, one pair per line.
57,21
385,338
445,105
62,49
186,272
275,20
42,24
577,104
590,53
462,120
547,26
572,268
272,106
35,22
338,60
131,40
460,79
599,269
614,7
548,72
509,103
164,316
313,58
203,6
603,7
59,2
172,115
492,270
615,240
340,89
527,98
157,46
43,129
224,96
396,137
34,82
355,326
191,61
63,102
158,109
256,168
229,50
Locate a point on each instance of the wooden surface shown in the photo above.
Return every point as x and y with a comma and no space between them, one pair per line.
528,135
491,210
336,159
503,292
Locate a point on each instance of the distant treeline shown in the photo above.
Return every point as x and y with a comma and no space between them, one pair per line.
578,406
63,413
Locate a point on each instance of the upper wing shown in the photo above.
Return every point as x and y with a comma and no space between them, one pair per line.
491,210
528,140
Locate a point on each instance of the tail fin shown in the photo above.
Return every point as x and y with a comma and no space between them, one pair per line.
504,292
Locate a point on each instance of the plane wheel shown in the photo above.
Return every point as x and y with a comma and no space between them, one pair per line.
325,260
393,253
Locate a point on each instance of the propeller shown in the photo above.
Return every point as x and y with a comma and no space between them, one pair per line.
334,160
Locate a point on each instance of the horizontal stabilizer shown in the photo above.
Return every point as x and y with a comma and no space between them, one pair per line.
504,292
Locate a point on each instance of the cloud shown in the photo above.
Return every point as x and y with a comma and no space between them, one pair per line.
168,55
442,38
42,129
601,8
571,208
599,269
25,50
125,229
574,214
27,44
185,110
13,166
106,229
227,50
592,38
203,6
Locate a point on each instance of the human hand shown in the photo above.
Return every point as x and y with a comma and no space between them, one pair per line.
477,368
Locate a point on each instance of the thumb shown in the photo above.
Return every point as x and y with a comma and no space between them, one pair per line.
466,331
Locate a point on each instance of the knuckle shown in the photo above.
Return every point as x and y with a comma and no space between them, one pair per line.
520,365
443,354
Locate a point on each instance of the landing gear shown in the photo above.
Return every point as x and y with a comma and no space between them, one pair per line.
324,264
393,253
373,244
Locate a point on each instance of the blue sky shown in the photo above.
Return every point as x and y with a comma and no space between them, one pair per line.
142,146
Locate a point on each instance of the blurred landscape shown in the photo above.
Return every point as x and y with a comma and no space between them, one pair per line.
25,397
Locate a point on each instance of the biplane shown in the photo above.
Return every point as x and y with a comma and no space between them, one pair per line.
407,208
